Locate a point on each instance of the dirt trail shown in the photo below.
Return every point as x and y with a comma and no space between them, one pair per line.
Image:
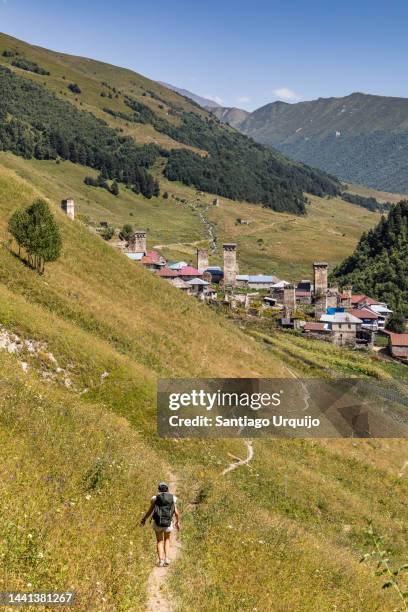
237,461
158,599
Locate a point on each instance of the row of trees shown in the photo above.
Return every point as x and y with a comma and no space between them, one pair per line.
370,202
35,230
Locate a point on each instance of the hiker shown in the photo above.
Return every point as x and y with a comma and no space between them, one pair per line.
163,507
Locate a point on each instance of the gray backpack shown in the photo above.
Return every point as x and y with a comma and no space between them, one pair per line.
163,509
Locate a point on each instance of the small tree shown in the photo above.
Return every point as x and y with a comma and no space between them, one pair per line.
126,232
107,233
397,323
36,230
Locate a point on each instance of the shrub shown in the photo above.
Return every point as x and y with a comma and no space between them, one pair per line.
74,88
397,323
108,233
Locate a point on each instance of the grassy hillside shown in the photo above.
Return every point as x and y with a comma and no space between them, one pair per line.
89,105
279,243
80,456
360,138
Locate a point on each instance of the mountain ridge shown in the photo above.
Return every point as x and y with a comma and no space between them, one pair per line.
362,138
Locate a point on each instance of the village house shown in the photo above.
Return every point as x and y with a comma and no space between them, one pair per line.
316,329
153,260
369,319
167,273
198,285
179,283
398,346
134,256
188,273
303,296
305,285
216,273
343,327
256,281
383,313
177,265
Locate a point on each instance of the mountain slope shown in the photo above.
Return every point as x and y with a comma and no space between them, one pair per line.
200,100
360,138
80,456
199,150
379,264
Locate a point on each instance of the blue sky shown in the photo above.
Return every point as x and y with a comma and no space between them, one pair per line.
239,53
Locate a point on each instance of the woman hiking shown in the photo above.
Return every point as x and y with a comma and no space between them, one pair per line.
163,507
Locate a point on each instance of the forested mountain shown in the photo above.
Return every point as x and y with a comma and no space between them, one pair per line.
360,138
379,265
100,116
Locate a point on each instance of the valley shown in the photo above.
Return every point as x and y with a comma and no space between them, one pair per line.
272,242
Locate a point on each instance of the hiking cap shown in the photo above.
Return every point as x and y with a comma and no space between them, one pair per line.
163,487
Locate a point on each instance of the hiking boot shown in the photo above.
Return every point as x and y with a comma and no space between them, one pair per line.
167,562
161,563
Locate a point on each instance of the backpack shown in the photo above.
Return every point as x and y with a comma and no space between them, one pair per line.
163,509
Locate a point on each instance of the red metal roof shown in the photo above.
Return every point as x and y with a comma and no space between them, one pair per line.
188,271
167,273
399,339
301,293
363,313
146,260
315,326
154,255
363,299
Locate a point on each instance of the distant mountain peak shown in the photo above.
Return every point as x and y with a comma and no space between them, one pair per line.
200,100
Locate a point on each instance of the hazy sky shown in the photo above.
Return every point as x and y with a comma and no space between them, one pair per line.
239,53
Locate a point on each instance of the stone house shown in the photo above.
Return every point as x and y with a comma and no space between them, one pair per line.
343,326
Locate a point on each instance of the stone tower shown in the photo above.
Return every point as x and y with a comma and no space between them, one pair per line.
289,297
320,306
320,278
230,263
347,295
333,297
138,242
68,206
202,259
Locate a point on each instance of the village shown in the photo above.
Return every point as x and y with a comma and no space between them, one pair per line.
313,307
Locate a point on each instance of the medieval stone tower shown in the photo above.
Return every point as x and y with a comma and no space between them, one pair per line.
289,297
202,259
68,206
230,263
320,278
347,295
138,242
332,296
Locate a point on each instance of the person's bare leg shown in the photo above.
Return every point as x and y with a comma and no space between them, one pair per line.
160,545
167,544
